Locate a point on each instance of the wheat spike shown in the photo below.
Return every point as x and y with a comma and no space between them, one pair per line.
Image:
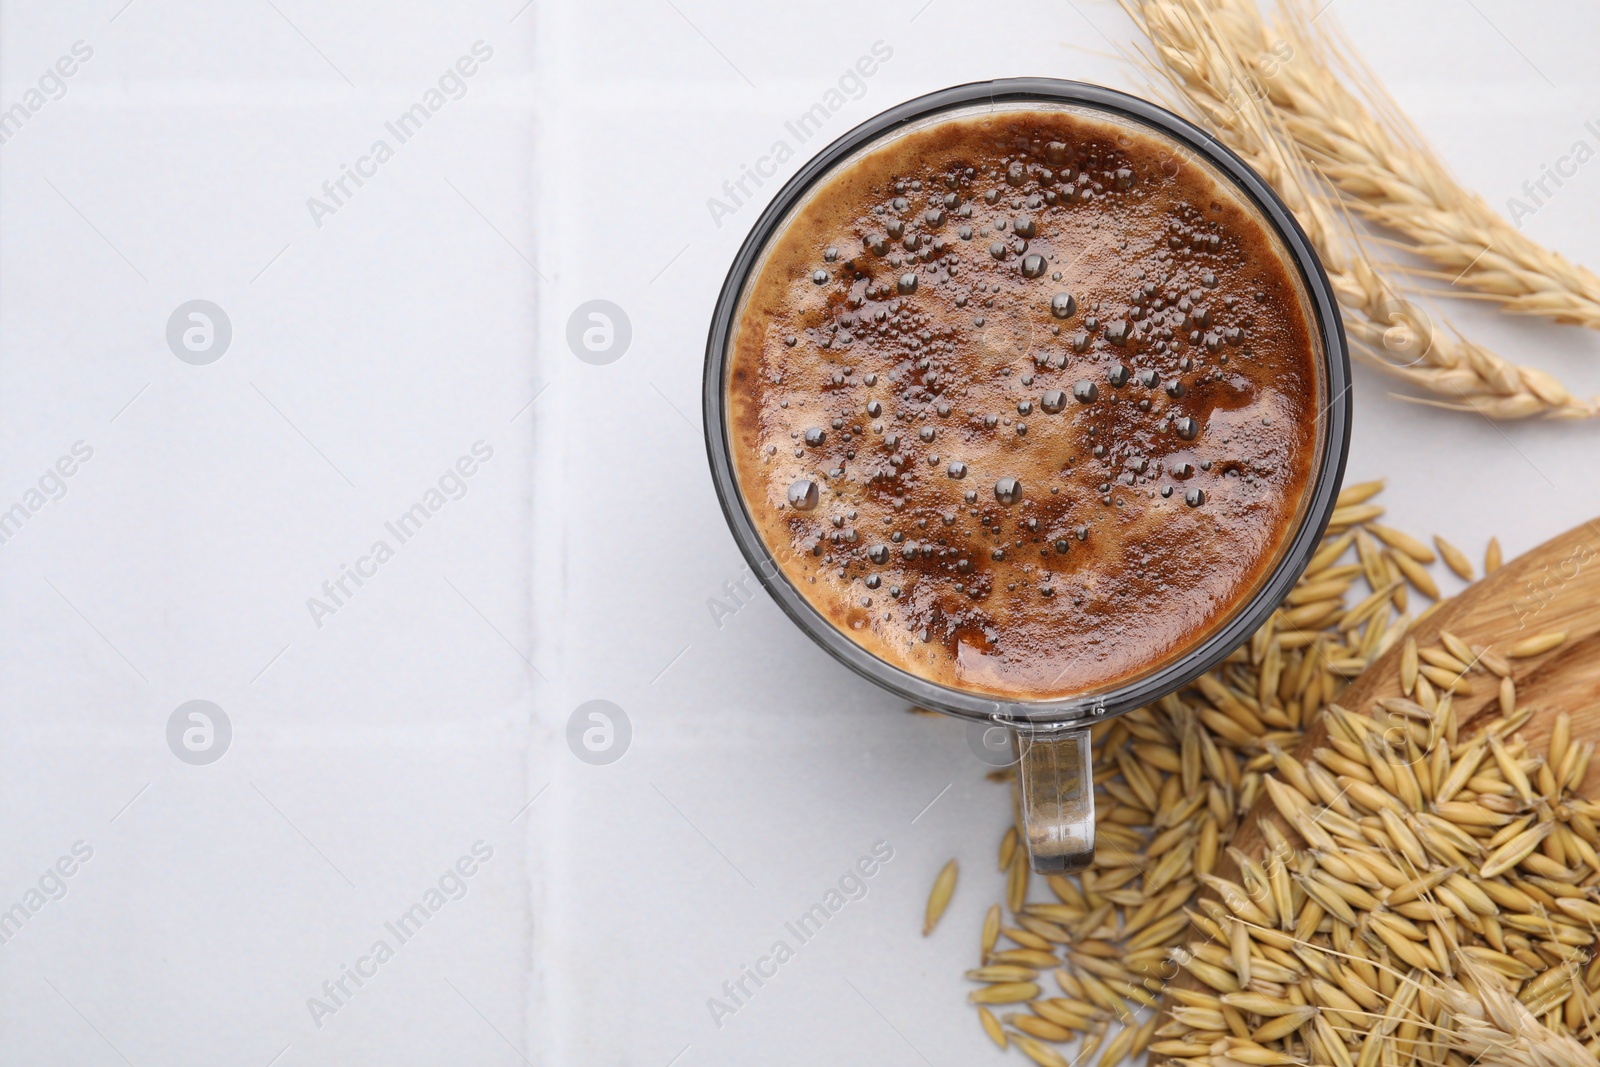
1196,46
1346,124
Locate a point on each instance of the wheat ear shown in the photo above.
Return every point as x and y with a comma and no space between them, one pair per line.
1494,1029
1348,126
1191,48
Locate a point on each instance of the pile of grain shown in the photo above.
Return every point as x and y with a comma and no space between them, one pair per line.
1438,911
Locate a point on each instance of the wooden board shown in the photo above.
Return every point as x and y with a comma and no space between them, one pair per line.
1555,587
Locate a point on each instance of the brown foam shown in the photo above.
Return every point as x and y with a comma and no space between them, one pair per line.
1151,576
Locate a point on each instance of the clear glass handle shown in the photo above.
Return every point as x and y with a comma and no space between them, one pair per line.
1057,788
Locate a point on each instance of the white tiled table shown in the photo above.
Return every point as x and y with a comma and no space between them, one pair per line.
368,355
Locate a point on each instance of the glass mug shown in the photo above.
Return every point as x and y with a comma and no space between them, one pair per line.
1051,737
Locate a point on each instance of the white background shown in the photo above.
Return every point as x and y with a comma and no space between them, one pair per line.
372,351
